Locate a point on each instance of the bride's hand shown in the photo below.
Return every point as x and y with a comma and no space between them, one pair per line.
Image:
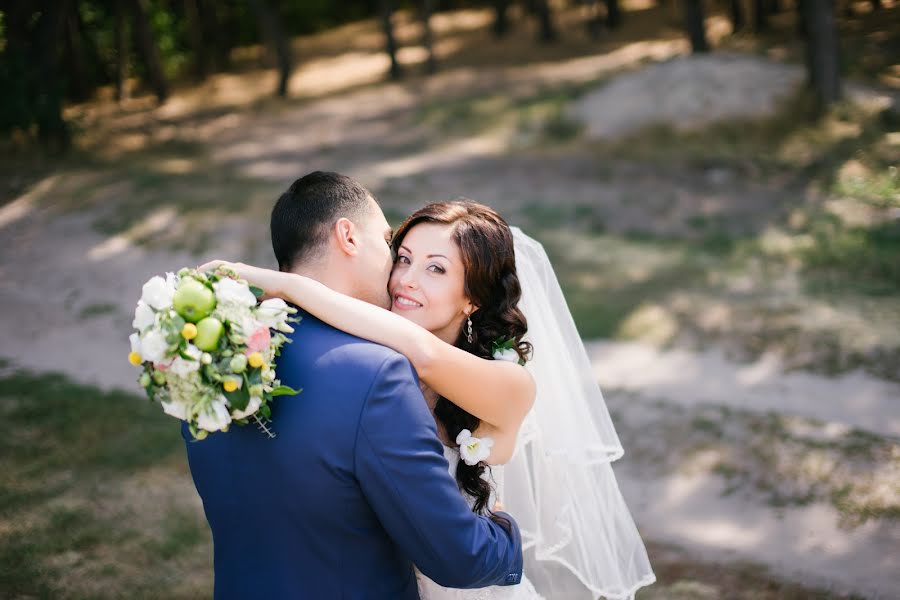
269,281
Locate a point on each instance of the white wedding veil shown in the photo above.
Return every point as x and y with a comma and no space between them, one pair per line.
578,534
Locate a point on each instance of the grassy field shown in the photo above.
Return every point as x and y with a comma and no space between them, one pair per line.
97,503
96,498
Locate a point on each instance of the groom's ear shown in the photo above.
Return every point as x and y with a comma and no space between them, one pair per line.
346,236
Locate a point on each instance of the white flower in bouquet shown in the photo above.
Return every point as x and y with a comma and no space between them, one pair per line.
179,410
154,346
144,316
230,291
252,406
274,312
214,416
158,292
181,366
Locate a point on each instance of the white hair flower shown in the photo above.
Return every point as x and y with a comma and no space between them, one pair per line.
507,354
473,450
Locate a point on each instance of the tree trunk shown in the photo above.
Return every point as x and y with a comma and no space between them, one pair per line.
52,129
501,18
823,55
594,22
387,10
736,11
81,84
694,22
121,67
195,34
613,14
545,18
274,34
427,36
760,16
146,43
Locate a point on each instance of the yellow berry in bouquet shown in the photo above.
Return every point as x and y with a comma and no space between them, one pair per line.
230,385
256,360
135,358
189,331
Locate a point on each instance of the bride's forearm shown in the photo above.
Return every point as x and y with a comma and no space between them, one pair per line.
361,319
499,393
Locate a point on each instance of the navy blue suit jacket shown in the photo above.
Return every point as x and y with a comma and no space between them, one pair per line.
352,491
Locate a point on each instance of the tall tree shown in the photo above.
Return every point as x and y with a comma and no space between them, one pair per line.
694,18
822,51
428,36
760,15
501,18
195,35
545,18
387,25
273,33
736,13
121,66
613,14
79,79
146,43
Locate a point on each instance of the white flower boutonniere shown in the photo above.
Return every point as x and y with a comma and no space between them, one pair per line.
473,450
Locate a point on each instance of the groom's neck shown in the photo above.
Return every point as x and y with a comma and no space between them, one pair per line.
329,277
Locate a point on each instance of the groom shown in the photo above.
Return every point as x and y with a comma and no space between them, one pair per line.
355,488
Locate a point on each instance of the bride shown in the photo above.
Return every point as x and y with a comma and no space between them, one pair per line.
537,439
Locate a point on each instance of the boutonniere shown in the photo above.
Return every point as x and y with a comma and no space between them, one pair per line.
473,450
505,349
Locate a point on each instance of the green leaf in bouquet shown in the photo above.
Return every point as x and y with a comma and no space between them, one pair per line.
239,398
258,292
283,390
212,373
254,377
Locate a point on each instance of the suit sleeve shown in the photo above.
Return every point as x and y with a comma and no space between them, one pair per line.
403,473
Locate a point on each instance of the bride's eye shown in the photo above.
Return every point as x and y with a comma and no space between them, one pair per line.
437,269
404,260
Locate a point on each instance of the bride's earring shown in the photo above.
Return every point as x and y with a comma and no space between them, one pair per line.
469,328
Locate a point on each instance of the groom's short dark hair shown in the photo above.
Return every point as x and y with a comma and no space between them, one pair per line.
304,214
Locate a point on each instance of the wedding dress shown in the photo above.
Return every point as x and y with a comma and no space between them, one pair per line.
578,537
429,590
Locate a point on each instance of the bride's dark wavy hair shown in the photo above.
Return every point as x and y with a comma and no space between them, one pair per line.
491,283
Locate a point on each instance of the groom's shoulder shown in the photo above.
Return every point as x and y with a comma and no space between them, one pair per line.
333,347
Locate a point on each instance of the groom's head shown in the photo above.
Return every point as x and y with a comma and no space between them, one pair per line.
329,227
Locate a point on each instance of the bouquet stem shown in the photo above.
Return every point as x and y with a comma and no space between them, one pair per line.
262,427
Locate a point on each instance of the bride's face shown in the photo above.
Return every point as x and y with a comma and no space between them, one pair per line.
427,283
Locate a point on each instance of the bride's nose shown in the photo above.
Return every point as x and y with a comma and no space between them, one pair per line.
408,279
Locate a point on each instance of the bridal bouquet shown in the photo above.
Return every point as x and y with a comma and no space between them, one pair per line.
206,347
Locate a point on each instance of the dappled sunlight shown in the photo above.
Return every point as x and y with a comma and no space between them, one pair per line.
157,221
22,206
696,378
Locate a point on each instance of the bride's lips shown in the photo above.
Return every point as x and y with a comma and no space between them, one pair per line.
402,302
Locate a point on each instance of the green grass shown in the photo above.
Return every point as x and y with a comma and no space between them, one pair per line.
95,501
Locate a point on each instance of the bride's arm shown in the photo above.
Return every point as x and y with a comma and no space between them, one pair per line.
498,392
